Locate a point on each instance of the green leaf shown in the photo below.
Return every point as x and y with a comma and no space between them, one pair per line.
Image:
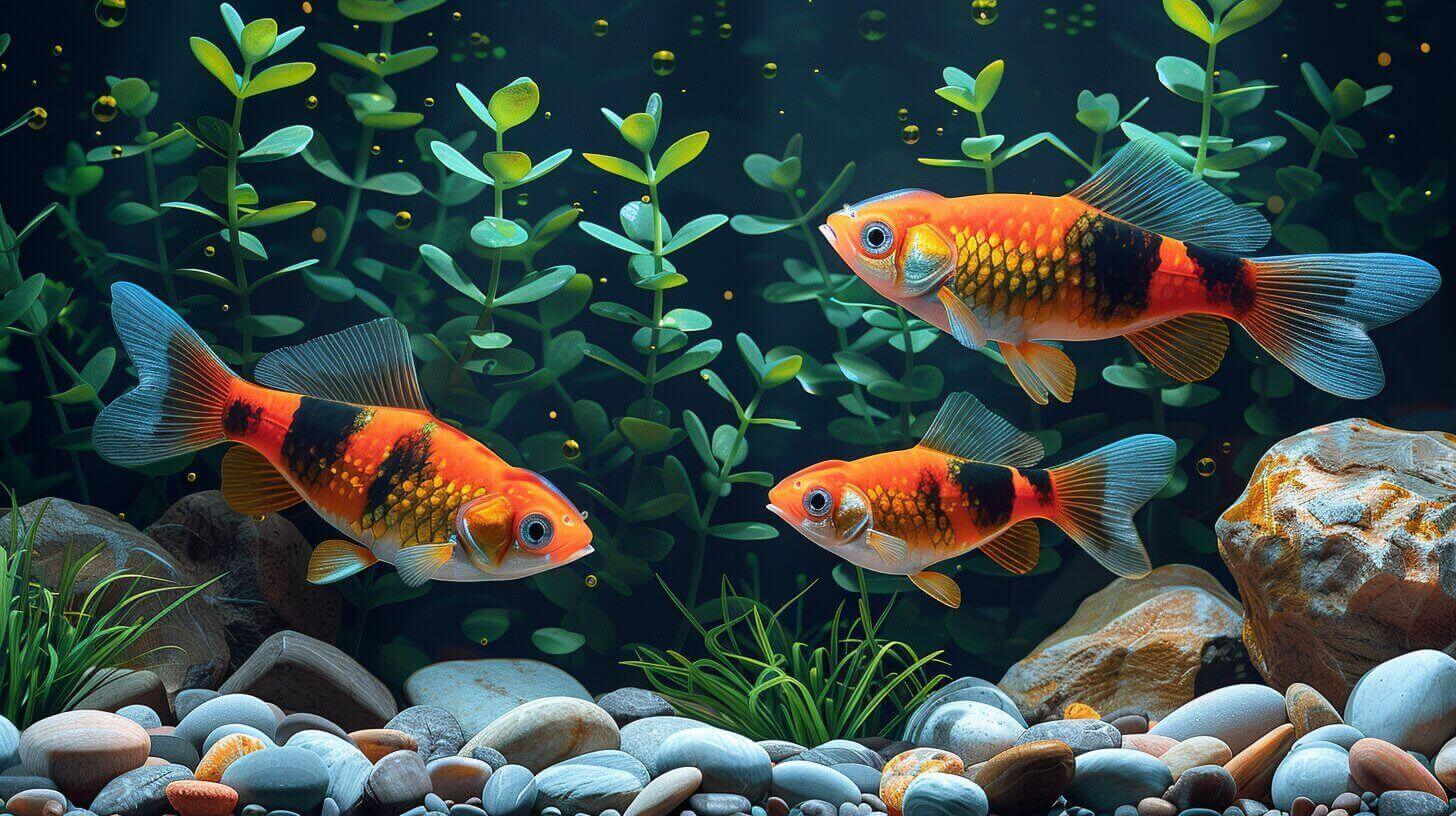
782,371
485,625
547,165
269,325
860,369
285,75
548,282
691,360
743,531
475,105
640,131
1299,182
280,144
617,167
679,153
557,641
19,300
1183,77
212,58
644,436
257,38
1245,15
1186,15
981,147
693,230
610,238
451,158
514,104
132,96
607,358
1317,87
498,233
988,81
785,176
506,167
276,213
1347,97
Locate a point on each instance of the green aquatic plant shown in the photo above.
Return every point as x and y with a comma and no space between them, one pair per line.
1408,215
760,680
59,639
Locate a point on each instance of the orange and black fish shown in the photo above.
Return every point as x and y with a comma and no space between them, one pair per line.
1142,250
338,422
972,484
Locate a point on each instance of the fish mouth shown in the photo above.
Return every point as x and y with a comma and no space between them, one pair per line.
774,508
828,233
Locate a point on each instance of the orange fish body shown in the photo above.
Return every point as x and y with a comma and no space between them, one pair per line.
1141,251
972,484
410,489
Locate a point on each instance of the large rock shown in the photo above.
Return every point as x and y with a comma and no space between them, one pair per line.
544,732
300,673
1409,701
1150,644
479,691
264,567
113,689
83,750
1344,552
189,646
1238,715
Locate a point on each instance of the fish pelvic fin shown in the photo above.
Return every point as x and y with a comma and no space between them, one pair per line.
1097,495
938,586
337,559
1016,549
891,548
1311,312
1187,348
1041,369
419,563
965,327
251,485
180,404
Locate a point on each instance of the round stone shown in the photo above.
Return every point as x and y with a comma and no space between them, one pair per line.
973,731
348,768
730,763
867,779
643,738
141,715
140,792
1444,765
457,778
1318,771
1203,786
83,750
296,723
191,797
234,728
1308,709
797,781
36,802
398,782
225,752
189,699
663,794
1344,736
1237,714
938,794
836,752
436,731
1413,803
9,744
615,760
174,749
541,733
287,778
578,788
1253,767
227,709
1027,778
1409,701
378,743
1196,751
1116,776
1079,735
778,750
965,689
510,791
903,768
627,705
1379,766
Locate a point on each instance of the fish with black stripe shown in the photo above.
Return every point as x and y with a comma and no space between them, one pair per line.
972,484
1142,250
339,423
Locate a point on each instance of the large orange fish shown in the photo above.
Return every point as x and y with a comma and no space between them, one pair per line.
339,423
1142,250
972,484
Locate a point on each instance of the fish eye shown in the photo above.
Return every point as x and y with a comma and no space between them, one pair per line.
536,531
876,237
817,502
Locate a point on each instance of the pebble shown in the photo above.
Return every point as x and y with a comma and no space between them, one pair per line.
902,769
1253,807
141,715
1156,806
541,733
813,807
36,802
730,763
510,791
1318,772
1253,767
965,689
616,760
225,752
234,728
1444,765
227,709
1206,786
9,744
642,738
287,778
719,804
1237,714
435,804
1079,735
490,756
189,699
10,785
140,792
462,809
1344,736
663,794
83,750
174,749
1409,701
1130,723
397,782
1196,751
939,794
1116,776
296,723
1150,744
974,731
192,797
435,729
778,750
348,768
457,778
1413,803
574,788
378,743
1308,709
1027,778
867,779
1379,766
796,782
627,705
836,752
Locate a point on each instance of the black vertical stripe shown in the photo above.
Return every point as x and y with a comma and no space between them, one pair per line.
1222,274
408,460
1122,259
318,436
988,488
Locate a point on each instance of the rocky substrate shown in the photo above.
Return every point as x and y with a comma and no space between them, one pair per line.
517,737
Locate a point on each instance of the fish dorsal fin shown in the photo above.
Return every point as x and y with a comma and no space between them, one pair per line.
251,485
1016,548
368,364
1145,187
967,429
1187,348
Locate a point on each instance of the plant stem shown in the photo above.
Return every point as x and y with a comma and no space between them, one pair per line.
990,172
657,297
164,263
42,351
1207,119
1310,165
361,169
486,321
909,365
701,544
240,275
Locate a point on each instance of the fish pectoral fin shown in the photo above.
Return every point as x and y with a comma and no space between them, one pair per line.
965,327
1187,348
891,548
938,586
1041,369
418,563
336,559
965,428
251,485
1016,548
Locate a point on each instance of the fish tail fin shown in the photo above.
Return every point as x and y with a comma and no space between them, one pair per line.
1097,495
178,405
1311,312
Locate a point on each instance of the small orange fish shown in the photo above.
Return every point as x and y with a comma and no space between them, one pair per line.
1142,250
339,423
969,485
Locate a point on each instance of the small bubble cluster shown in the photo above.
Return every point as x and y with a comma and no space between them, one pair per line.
1073,22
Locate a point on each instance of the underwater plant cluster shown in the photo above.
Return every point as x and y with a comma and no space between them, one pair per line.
382,377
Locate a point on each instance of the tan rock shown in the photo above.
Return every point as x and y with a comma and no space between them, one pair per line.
1337,546
81,751
1445,765
1308,709
1379,766
301,673
1253,768
1195,751
378,743
116,688
1150,744
1027,778
1136,643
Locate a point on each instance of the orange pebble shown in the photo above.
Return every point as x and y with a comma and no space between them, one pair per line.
378,743
1080,711
902,769
193,797
223,753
